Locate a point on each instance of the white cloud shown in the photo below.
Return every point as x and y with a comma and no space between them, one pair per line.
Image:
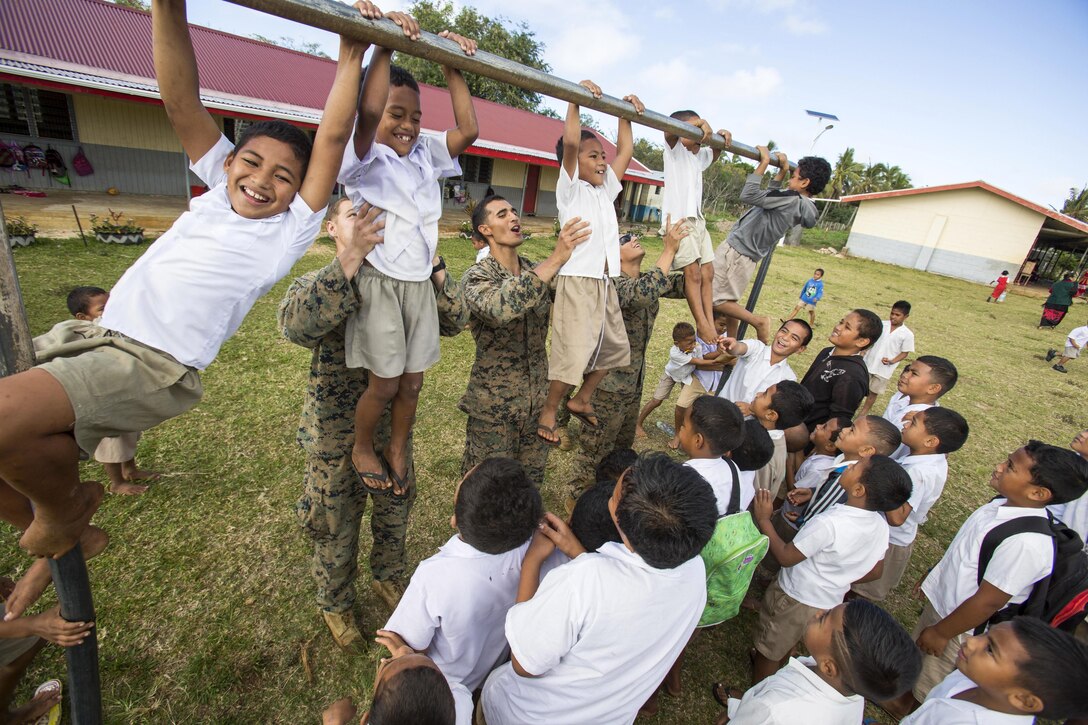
665,12
798,25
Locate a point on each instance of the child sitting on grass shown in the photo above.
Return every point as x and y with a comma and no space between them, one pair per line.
455,606
783,405
712,428
172,310
920,386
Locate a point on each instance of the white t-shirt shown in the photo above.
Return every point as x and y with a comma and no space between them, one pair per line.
891,343
683,193
754,373
927,476
1074,515
406,188
842,545
600,633
899,406
796,694
192,288
1017,563
719,474
680,367
940,707
483,254
707,378
455,609
813,471
1079,335
462,703
594,204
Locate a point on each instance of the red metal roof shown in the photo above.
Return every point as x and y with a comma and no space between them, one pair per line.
1056,216
93,35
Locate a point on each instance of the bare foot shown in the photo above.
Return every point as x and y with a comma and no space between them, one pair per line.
128,489
674,444
28,589
94,541
763,329
38,706
708,335
54,537
140,474
640,432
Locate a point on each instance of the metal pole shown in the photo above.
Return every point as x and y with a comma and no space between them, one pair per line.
342,19
70,571
757,287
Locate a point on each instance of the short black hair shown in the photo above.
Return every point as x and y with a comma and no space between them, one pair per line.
416,696
79,299
1054,671
792,401
479,215
817,171
586,136
668,511
1004,271
820,270
591,521
719,421
757,448
1062,471
941,371
615,463
843,421
281,131
903,306
498,507
883,435
877,658
871,326
682,330
802,323
949,426
400,77
887,484
683,115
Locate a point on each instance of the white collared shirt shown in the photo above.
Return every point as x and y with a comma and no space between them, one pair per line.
1017,563
406,188
927,476
578,635
754,373
841,545
1074,515
482,254
891,343
1078,335
899,406
719,474
455,609
683,193
594,204
941,707
813,471
680,367
192,288
796,694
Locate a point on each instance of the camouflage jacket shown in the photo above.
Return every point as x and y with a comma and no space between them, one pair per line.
639,303
509,321
313,314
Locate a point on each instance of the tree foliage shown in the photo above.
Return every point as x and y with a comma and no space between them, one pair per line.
134,4
649,154
1076,205
284,42
850,176
495,35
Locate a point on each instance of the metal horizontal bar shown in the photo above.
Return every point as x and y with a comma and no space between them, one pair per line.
336,17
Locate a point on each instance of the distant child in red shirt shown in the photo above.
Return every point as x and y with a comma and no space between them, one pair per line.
998,295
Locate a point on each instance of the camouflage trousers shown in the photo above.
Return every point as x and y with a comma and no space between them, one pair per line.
330,511
617,414
496,438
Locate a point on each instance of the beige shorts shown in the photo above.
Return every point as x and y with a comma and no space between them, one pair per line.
395,329
782,623
934,669
809,306
664,387
14,648
773,475
877,384
896,560
117,449
1071,352
689,393
117,385
587,329
732,272
695,247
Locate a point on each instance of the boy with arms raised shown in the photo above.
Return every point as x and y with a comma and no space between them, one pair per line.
190,291
837,378
588,337
759,366
394,334
895,343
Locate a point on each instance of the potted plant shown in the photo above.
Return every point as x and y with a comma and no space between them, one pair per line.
114,229
21,232
466,225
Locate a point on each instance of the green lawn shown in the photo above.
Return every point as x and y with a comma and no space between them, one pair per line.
204,598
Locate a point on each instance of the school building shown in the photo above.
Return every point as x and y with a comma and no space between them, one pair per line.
79,74
972,231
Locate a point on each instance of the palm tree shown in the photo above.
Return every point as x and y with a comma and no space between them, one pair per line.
872,179
1076,205
845,176
896,178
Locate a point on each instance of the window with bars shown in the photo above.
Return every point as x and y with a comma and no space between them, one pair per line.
476,169
36,112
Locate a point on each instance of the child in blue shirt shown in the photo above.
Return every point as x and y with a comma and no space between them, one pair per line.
811,293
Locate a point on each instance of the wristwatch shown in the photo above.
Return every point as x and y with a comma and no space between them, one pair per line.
438,267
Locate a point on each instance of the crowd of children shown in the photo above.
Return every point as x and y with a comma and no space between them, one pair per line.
522,616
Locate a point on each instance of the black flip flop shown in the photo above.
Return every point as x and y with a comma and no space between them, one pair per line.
373,476
585,418
550,429
718,688
406,483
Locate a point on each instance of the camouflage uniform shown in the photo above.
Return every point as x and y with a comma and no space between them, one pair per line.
509,379
617,398
312,314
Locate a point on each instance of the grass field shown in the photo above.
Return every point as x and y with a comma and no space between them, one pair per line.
205,604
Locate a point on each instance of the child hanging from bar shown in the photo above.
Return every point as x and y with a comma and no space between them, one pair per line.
173,309
588,335
394,333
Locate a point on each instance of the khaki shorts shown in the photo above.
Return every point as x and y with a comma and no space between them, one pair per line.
587,329
117,449
782,623
395,329
896,560
664,387
13,649
732,271
1071,351
773,475
689,393
117,385
934,669
810,306
695,247
877,384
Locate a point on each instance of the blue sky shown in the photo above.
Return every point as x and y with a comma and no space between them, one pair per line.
949,91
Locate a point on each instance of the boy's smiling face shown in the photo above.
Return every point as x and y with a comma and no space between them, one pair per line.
262,178
845,335
502,224
789,339
592,166
399,126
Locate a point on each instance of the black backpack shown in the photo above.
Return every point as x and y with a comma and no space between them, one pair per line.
1059,599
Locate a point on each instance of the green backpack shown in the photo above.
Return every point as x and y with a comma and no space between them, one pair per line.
731,557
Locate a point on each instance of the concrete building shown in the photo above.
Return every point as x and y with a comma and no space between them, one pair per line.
972,231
